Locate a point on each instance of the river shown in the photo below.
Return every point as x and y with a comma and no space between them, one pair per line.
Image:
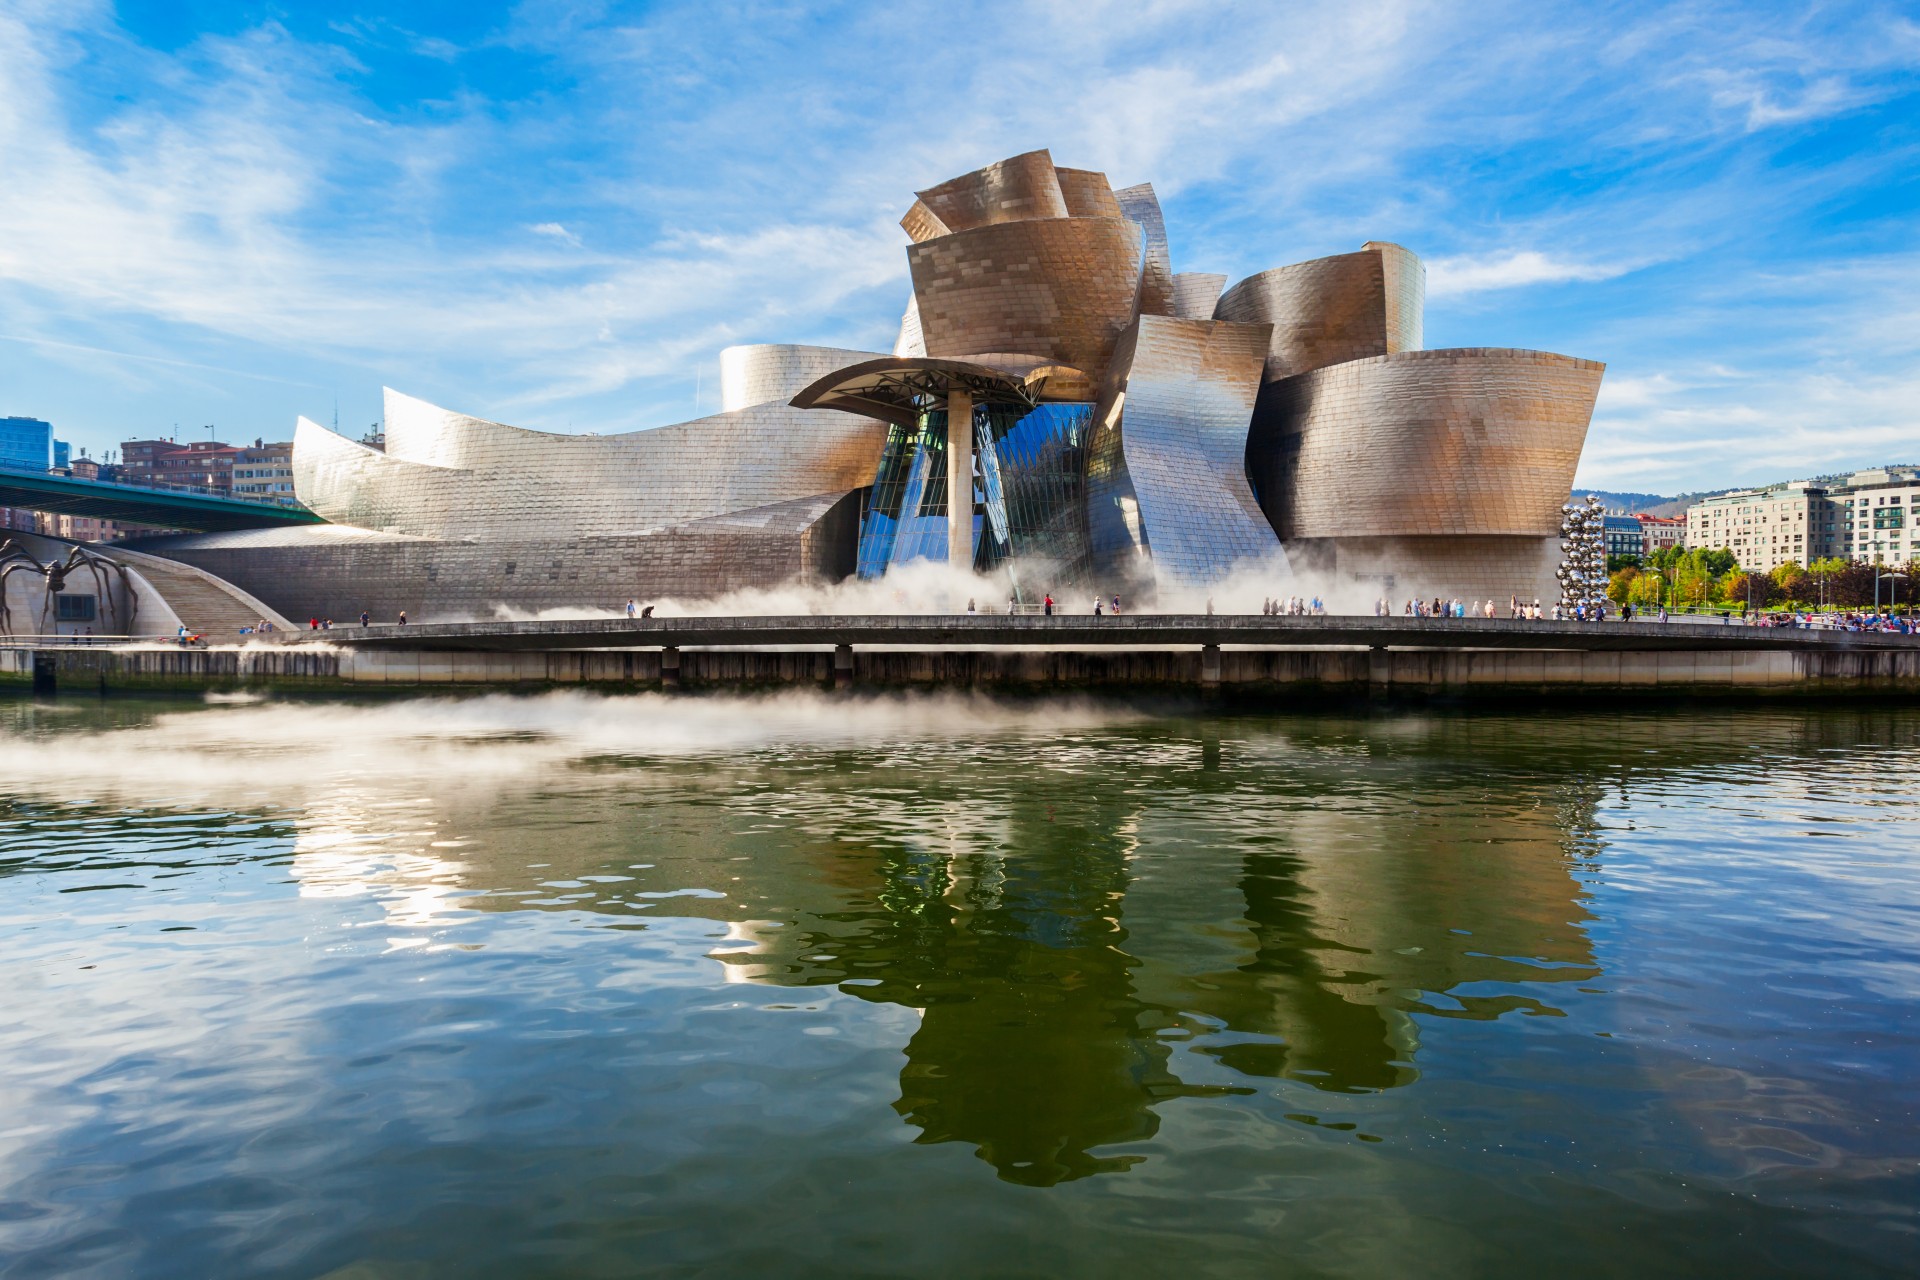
571,985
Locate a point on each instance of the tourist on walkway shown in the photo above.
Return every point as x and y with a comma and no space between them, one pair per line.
366,619
1012,604
1098,604
1047,604
403,617
970,608
1116,607
632,608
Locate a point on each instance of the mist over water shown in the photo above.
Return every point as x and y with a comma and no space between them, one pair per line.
578,984
928,586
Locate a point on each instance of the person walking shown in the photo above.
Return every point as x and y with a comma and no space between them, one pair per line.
403,617
1047,604
632,608
1209,606
366,619
970,608
1096,606
1115,611
1012,604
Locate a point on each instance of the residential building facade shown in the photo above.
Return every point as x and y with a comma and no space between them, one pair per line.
1860,515
1658,533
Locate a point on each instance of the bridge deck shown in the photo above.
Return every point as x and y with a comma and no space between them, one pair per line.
1081,631
137,504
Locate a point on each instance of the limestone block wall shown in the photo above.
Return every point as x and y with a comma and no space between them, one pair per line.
1462,567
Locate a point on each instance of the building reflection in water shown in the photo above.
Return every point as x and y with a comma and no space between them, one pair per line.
1074,926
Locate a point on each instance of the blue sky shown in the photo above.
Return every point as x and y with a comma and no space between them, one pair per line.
555,214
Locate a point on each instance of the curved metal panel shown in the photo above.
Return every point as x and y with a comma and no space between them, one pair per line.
1142,207
1063,288
1476,440
1087,194
350,484
754,374
1349,307
1171,435
1195,294
514,482
1016,189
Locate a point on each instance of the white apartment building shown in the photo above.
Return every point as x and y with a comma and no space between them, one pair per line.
1765,528
1860,516
1877,524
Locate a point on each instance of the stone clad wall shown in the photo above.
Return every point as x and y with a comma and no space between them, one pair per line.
317,575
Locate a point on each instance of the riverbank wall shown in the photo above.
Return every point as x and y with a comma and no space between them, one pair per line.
1275,672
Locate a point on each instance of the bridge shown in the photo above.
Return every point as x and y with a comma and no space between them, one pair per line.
194,510
1080,631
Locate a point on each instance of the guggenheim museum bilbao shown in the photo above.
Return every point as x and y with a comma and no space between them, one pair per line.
1126,428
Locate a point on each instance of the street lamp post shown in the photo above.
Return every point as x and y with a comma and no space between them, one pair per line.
1877,576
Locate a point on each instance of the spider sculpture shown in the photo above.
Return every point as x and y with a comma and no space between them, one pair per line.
16,559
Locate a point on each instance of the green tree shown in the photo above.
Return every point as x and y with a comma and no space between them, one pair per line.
1646,591
1620,585
1794,583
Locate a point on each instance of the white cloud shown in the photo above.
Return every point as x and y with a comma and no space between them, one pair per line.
557,231
1477,273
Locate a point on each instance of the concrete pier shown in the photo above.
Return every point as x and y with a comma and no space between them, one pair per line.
1228,673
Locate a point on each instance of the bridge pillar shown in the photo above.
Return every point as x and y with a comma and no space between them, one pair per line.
843,666
1210,670
669,669
1379,671
46,682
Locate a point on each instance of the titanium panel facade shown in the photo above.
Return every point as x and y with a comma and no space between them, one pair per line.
1017,189
1142,206
1063,288
1167,484
762,372
1332,310
1471,441
1196,294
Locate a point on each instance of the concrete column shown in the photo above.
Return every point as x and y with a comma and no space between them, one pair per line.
960,479
843,666
669,668
1209,669
1379,671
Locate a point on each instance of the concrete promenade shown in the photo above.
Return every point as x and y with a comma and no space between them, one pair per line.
1076,631
1248,658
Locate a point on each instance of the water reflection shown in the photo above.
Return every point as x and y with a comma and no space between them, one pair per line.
1090,922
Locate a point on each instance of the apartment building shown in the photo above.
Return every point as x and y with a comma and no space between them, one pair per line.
1766,528
1657,533
1858,515
264,470
1876,526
